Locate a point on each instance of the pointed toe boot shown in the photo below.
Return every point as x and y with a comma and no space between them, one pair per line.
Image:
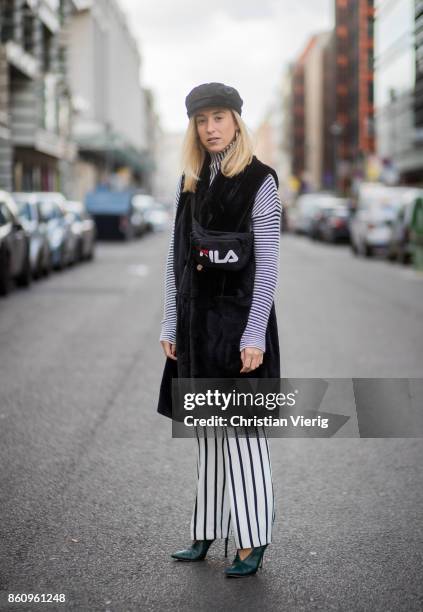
248,566
196,552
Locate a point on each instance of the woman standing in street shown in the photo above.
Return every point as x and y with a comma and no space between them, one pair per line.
220,322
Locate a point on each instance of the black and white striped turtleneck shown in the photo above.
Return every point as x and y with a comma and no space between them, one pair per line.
265,223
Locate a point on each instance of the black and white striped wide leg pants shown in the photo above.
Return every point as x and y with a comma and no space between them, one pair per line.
234,487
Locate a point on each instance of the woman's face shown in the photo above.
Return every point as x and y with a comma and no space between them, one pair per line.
216,128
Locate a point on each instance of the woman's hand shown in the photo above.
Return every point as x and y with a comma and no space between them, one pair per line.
251,358
169,349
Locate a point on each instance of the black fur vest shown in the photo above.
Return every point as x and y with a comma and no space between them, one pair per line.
213,305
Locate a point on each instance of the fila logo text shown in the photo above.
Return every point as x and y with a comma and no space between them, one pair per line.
230,257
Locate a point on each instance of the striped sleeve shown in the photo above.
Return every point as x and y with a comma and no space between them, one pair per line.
266,220
168,323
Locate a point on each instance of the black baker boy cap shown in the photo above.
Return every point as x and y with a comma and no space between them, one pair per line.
213,94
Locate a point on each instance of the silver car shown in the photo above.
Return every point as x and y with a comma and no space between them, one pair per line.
83,230
30,216
373,218
307,206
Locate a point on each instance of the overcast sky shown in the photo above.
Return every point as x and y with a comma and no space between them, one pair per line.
243,43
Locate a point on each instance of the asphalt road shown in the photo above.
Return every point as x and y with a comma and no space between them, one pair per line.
95,494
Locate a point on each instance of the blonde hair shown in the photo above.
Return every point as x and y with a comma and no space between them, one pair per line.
193,153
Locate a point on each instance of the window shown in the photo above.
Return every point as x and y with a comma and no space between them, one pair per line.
47,38
6,20
397,76
28,30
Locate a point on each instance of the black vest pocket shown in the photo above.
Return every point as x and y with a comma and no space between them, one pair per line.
230,314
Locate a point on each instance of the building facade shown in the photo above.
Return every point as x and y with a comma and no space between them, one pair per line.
329,147
399,86
311,110
36,146
354,97
152,137
298,163
314,110
418,90
286,128
114,114
169,166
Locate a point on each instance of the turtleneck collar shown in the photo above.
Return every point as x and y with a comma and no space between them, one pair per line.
216,158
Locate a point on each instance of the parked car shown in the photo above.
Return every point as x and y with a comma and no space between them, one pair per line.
30,216
307,205
330,214
374,214
291,221
144,204
157,217
84,230
14,246
399,245
114,213
333,224
284,219
61,241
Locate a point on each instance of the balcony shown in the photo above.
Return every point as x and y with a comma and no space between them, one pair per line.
47,11
22,60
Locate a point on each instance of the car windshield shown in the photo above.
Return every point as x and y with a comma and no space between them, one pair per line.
48,210
340,211
382,199
24,210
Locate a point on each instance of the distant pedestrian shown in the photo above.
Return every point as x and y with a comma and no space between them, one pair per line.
220,322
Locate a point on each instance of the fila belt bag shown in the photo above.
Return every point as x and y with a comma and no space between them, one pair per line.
212,249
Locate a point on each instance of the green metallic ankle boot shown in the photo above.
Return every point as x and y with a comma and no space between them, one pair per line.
248,566
196,552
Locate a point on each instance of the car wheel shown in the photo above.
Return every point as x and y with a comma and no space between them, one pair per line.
62,260
25,277
368,251
48,266
38,272
393,254
5,278
403,257
80,256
